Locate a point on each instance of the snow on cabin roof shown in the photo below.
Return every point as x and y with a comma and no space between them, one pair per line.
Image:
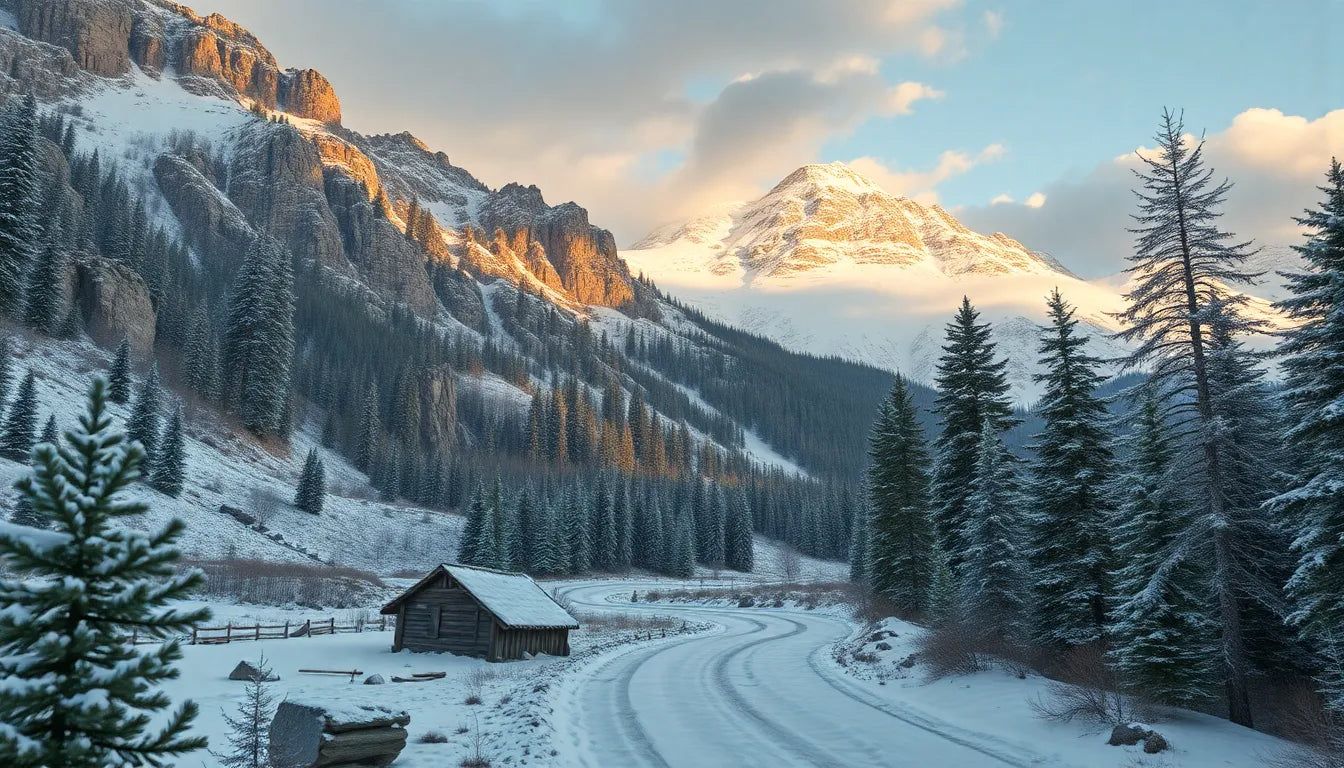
514,598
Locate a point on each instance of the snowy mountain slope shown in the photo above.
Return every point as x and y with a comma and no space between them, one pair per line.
353,530
829,263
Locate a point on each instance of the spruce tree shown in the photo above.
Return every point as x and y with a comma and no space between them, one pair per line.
1163,644
898,488
861,550
201,355
993,577
250,724
575,522
143,426
471,532
73,691
740,543
170,460
6,368
42,289
526,535
1314,387
312,484
505,525
603,528
50,434
1183,263
972,389
258,344
16,440
370,432
119,375
19,233
1069,547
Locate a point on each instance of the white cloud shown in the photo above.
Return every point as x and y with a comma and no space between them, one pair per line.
921,184
1275,162
1001,199
993,21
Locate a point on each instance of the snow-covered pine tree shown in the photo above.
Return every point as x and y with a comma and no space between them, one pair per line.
902,536
471,532
505,525
944,602
170,460
42,288
1183,264
6,368
526,534
547,555
201,355
119,375
73,692
1163,644
50,434
312,484
603,527
1069,546
1314,387
861,549
995,592
259,338
250,725
19,233
716,553
972,389
143,426
370,432
740,555
16,439
575,526
621,513
682,564
389,475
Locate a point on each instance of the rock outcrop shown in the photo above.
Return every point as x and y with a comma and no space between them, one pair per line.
115,304
210,221
389,262
558,244
438,410
28,66
97,33
306,93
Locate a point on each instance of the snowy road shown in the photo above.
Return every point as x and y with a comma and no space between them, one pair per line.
760,691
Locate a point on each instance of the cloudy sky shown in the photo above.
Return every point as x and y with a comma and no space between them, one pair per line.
1019,116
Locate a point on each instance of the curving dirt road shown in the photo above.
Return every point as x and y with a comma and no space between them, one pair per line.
758,691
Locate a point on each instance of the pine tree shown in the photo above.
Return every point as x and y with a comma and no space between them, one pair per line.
73,692
250,725
548,556
861,550
42,289
741,555
471,532
901,547
603,528
50,434
505,526
1069,549
19,233
579,538
972,389
1182,265
1162,642
1314,357
526,533
6,368
682,563
143,426
16,440
119,375
370,432
259,338
201,355
312,484
993,579
170,461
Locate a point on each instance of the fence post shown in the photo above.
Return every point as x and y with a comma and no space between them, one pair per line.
228,633
193,635
286,635
256,634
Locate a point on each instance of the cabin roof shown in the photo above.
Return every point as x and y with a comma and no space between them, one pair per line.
514,599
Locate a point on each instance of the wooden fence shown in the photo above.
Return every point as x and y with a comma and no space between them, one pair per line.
232,633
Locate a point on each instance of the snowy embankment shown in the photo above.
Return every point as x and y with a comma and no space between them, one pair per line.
225,469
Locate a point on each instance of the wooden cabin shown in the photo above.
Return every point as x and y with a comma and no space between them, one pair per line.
494,615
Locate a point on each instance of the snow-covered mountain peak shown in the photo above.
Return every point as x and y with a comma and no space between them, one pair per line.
829,178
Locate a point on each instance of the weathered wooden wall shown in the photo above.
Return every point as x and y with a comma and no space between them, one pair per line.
441,618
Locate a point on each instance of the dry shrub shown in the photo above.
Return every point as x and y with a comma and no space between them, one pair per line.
265,503
950,650
433,737
593,622
1319,732
268,583
1084,688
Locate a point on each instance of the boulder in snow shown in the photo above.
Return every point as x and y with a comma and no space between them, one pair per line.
1154,742
309,734
1126,735
248,672
237,514
374,680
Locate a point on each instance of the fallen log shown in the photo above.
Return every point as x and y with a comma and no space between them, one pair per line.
430,675
397,679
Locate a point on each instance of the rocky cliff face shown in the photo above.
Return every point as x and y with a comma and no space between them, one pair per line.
210,54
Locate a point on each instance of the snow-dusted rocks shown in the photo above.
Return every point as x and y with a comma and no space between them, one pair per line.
249,672
115,304
310,733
